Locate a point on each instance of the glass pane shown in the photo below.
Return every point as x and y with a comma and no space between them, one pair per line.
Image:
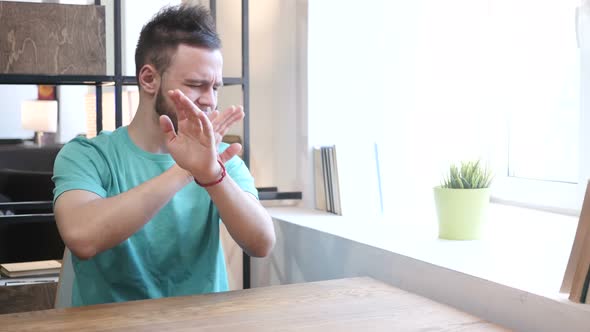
537,66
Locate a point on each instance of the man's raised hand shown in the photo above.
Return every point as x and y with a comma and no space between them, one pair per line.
193,147
221,122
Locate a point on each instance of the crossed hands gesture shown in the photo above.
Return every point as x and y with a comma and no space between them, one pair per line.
195,146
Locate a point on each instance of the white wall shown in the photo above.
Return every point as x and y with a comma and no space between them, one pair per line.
274,107
135,14
72,115
346,96
275,110
11,97
400,73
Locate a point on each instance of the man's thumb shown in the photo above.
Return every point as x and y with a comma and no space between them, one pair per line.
167,127
230,152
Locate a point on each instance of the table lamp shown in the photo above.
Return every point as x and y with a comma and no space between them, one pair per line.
40,116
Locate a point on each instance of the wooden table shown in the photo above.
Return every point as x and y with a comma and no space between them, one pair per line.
358,304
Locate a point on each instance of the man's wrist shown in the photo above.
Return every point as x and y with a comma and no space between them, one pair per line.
212,180
182,173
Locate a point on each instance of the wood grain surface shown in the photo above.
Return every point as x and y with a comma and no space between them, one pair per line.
358,304
26,298
52,39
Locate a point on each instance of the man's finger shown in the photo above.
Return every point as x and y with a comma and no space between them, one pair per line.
196,117
206,126
167,128
230,152
231,115
218,137
187,105
179,107
213,115
224,127
219,117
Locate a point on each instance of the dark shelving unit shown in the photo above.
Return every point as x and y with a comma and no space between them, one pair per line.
118,80
17,79
64,79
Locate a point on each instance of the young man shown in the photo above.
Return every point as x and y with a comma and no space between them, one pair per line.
140,207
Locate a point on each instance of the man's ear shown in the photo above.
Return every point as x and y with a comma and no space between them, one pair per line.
149,79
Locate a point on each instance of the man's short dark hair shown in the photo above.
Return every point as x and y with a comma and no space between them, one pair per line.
170,27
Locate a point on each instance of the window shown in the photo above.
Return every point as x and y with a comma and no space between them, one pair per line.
537,75
492,79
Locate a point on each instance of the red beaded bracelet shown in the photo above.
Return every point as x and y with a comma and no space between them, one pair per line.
216,181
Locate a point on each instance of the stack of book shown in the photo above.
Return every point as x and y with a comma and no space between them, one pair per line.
576,280
30,269
327,186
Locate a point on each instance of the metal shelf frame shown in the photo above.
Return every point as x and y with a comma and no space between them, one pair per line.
118,80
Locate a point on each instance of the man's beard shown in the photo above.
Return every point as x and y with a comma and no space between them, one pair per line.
165,108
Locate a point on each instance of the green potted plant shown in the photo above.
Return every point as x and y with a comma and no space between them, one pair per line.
462,201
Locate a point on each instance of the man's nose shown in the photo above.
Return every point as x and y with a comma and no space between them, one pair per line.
206,100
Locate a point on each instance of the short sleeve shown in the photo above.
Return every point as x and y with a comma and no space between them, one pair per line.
79,166
237,170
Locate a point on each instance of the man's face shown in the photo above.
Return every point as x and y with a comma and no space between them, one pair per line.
197,73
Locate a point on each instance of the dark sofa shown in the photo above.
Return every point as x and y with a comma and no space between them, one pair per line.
25,172
25,176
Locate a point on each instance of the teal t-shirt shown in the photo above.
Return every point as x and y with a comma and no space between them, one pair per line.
176,253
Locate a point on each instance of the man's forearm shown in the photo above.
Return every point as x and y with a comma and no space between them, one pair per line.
102,223
245,218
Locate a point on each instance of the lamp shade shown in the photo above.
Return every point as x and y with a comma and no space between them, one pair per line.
39,115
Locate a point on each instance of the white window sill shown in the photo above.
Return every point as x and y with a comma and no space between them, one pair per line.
523,249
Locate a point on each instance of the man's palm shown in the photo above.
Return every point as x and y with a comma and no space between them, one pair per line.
221,122
191,151
195,146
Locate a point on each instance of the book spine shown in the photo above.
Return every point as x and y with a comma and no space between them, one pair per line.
328,180
320,192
